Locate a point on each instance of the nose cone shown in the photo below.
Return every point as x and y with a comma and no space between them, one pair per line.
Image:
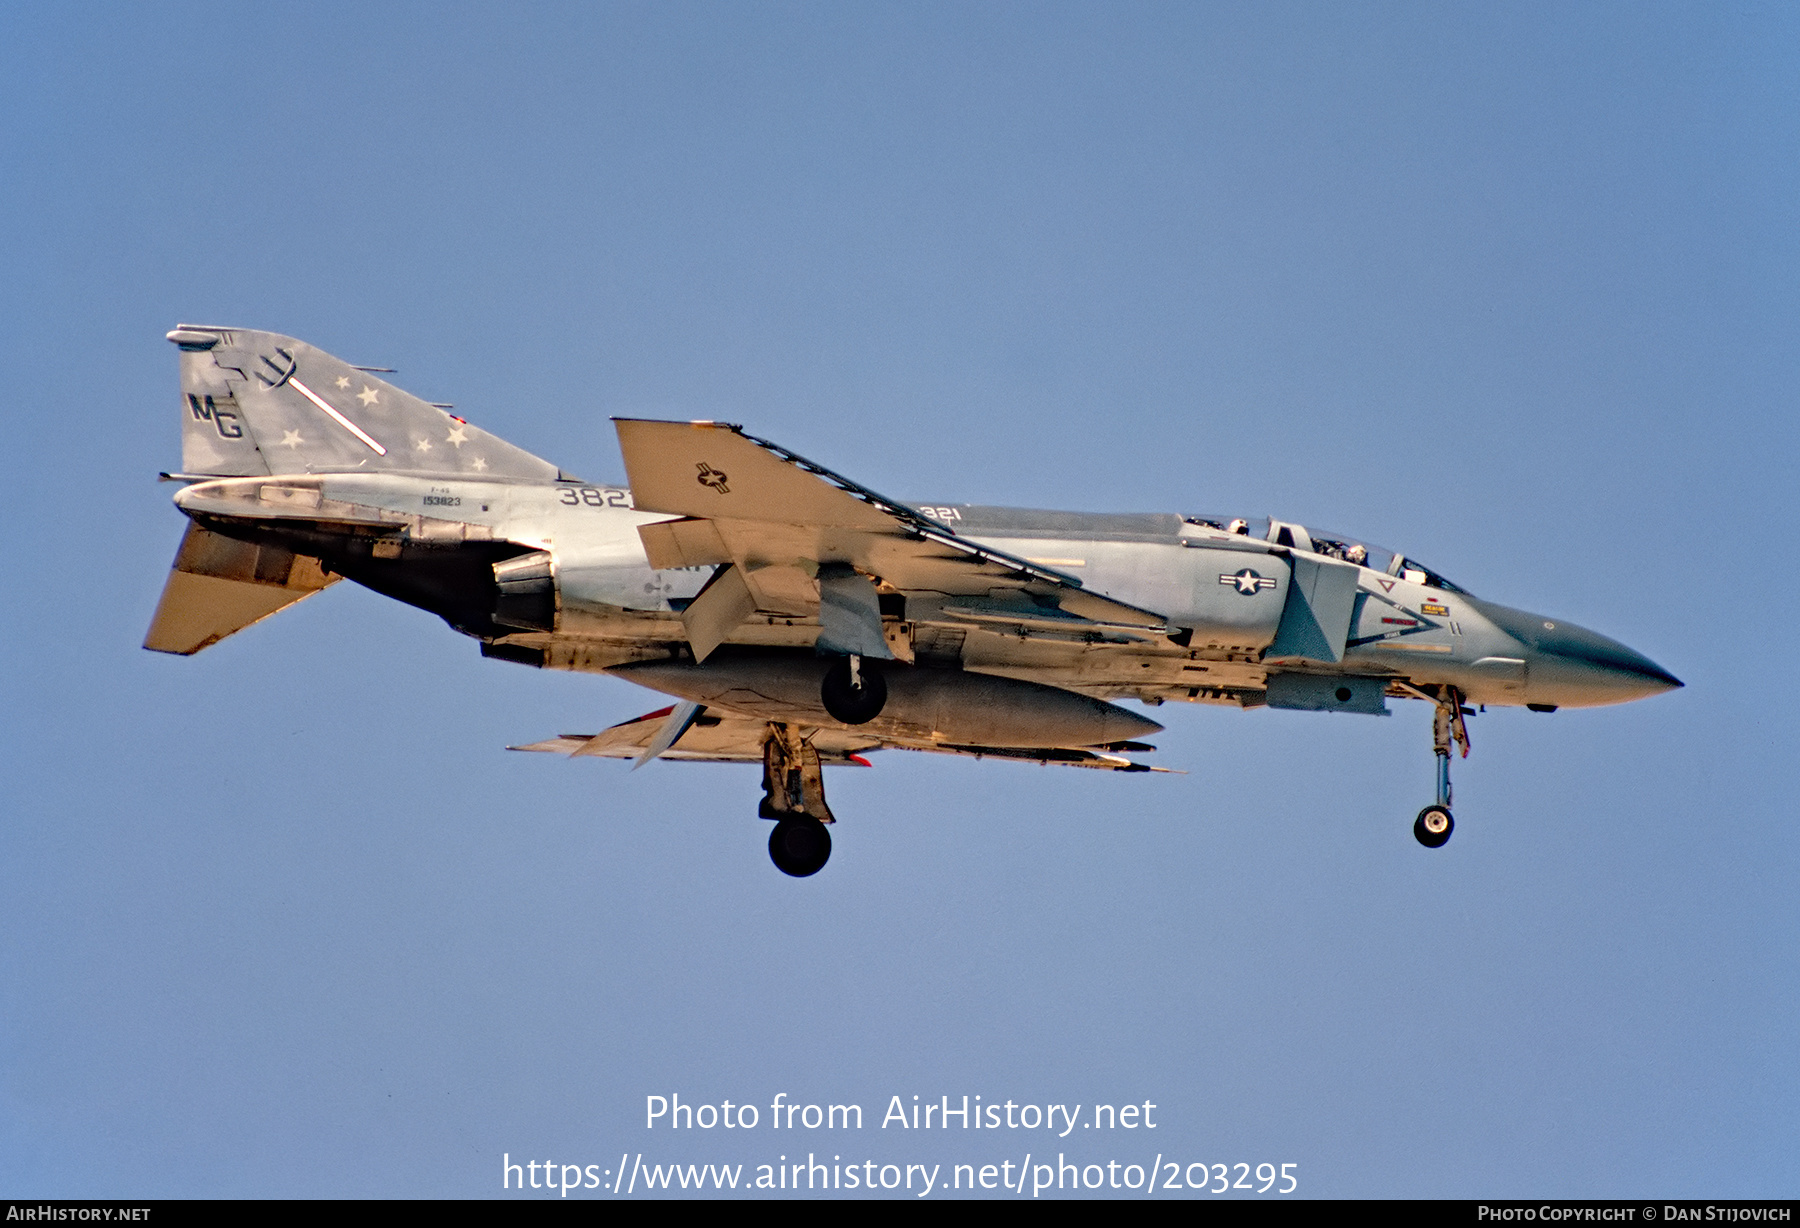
1569,666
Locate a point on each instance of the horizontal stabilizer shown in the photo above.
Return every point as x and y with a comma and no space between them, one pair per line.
220,585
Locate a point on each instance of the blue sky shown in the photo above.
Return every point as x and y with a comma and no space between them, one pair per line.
1509,287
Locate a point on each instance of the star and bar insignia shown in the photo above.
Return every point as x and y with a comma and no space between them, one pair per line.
1248,582
714,478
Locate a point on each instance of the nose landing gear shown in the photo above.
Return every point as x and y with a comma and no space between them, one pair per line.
1433,826
794,796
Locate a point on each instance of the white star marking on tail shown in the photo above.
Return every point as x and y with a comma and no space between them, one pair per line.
368,396
291,439
478,465
457,436
343,381
423,445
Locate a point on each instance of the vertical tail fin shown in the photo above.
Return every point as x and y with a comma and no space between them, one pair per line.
258,403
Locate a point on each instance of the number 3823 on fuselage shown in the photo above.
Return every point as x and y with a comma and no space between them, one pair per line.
801,620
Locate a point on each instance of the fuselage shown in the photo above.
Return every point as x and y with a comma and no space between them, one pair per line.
555,574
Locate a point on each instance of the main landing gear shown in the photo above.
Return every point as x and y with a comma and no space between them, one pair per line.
854,691
794,796
1433,826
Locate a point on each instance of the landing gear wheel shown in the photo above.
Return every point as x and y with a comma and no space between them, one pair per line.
855,698
1433,827
800,846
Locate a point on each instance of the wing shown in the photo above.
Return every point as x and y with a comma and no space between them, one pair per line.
721,738
789,537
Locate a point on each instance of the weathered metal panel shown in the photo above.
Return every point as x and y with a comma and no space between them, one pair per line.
1328,693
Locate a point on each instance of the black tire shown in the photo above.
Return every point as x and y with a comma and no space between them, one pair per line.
800,846
1433,827
853,705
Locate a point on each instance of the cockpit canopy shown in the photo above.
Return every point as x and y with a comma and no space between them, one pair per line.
1327,542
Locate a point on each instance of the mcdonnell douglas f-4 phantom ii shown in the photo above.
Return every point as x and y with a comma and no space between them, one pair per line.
800,619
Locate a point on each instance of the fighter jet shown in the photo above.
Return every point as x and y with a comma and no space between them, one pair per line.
800,619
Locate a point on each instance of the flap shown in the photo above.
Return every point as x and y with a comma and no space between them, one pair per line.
669,544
